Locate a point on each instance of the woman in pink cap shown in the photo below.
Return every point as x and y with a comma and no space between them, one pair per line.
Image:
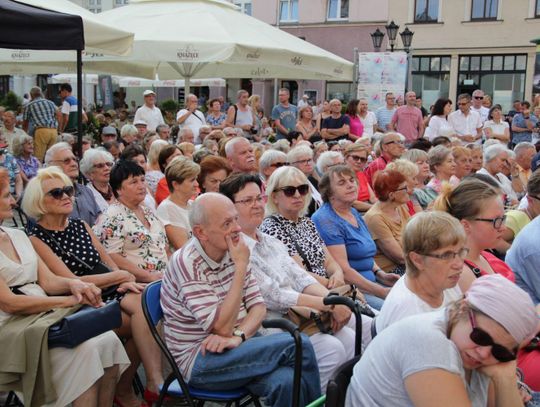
463,355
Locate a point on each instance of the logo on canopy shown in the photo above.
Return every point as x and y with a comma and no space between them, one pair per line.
254,55
259,72
188,53
19,55
338,69
297,61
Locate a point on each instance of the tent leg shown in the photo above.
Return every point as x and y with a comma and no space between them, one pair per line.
187,89
79,104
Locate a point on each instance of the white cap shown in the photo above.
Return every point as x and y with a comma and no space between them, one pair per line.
140,122
149,92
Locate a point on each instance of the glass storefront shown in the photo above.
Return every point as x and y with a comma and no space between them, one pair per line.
431,78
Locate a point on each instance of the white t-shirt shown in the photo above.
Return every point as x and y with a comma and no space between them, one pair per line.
496,128
410,346
369,123
152,117
401,302
503,181
171,214
438,126
194,121
482,111
463,125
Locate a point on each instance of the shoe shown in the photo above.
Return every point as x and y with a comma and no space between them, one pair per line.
152,397
118,403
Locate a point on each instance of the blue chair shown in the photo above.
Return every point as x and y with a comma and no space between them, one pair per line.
174,385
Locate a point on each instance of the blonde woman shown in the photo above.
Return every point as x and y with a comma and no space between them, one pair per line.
356,157
153,174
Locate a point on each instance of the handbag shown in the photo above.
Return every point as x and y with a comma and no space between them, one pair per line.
88,322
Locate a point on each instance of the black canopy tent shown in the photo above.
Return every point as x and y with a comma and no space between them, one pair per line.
27,27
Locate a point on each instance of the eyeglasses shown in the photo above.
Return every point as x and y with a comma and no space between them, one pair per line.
463,104
290,191
479,97
67,160
251,200
278,165
496,222
482,338
450,255
358,158
58,193
309,160
401,143
103,165
401,189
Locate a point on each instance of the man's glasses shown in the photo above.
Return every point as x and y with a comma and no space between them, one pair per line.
496,222
103,165
358,158
482,338
463,104
290,191
67,160
479,97
58,193
450,255
309,160
251,200
399,142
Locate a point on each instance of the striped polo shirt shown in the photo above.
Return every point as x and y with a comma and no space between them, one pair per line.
194,287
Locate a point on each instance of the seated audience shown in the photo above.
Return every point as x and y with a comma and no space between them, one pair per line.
301,157
496,127
166,155
214,170
136,154
434,247
240,154
347,236
477,156
85,375
329,159
130,232
181,175
387,219
443,167
356,157
187,149
213,309
422,194
22,147
154,174
410,171
467,355
463,160
270,161
392,146
9,163
96,167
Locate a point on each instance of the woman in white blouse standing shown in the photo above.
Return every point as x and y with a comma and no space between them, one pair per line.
496,127
438,125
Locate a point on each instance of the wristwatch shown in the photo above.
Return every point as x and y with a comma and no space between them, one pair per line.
240,334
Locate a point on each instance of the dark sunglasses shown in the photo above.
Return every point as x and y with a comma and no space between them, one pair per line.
358,158
278,165
479,97
482,338
290,191
58,193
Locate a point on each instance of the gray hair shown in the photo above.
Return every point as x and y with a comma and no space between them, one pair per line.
231,145
269,157
282,145
437,155
326,160
523,146
386,136
183,132
297,152
18,142
90,156
35,92
128,130
198,212
56,148
154,150
66,137
415,154
491,142
161,126
493,152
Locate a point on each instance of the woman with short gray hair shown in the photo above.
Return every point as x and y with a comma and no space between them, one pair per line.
329,159
270,161
22,147
96,167
128,134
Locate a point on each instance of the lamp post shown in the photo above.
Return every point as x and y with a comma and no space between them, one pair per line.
377,38
392,30
406,37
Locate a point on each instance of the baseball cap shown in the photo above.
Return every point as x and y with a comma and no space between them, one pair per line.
108,130
141,122
149,92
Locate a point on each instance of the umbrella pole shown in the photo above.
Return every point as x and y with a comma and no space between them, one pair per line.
187,80
79,103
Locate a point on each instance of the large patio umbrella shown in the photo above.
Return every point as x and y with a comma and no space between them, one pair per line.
211,38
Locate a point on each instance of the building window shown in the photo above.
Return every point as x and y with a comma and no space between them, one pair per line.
340,90
484,9
426,11
120,3
431,77
288,10
245,6
500,76
537,9
338,9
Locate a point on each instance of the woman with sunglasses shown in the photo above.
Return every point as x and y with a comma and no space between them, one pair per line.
71,250
463,355
96,167
85,375
356,156
288,199
479,208
347,236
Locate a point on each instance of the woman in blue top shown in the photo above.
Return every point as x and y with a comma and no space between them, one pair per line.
347,236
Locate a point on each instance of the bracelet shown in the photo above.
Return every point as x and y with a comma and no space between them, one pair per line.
376,271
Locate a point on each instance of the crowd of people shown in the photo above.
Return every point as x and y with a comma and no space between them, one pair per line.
432,216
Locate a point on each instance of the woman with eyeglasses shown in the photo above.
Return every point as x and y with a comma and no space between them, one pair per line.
70,250
356,156
288,198
347,237
96,166
387,219
181,175
462,355
479,208
434,250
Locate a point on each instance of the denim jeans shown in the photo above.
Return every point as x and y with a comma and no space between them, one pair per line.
535,402
262,364
374,302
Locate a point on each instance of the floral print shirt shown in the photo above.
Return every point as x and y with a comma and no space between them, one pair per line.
30,167
9,162
121,232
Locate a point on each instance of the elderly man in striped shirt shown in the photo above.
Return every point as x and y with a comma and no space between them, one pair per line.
213,309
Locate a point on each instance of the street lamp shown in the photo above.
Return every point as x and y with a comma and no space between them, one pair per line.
406,37
377,38
392,30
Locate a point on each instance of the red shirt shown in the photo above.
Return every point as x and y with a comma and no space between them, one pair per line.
162,191
498,266
375,166
363,187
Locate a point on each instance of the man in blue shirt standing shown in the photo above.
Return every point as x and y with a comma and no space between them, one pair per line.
284,114
523,124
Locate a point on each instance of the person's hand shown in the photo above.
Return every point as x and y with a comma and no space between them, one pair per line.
388,279
336,280
341,315
157,275
86,293
469,138
501,370
246,127
131,286
124,276
239,251
218,344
